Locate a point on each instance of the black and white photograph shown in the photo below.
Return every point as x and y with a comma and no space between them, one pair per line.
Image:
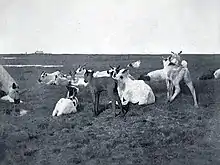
109,82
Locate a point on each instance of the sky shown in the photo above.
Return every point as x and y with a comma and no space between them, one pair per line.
110,26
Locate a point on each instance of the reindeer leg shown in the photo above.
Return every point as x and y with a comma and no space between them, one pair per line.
97,110
119,103
96,103
168,83
168,93
189,83
176,83
93,101
93,95
193,92
171,90
177,91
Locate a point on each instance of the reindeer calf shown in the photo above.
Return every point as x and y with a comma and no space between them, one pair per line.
100,84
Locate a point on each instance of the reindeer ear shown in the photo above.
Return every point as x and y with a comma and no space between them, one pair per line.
13,86
111,67
180,52
172,52
118,67
169,58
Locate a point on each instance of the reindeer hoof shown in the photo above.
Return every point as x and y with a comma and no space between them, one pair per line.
196,106
117,114
123,115
95,114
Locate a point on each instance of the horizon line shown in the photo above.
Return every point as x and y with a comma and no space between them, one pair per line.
112,54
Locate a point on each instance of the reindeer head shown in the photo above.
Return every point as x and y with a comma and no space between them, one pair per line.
88,76
176,58
113,70
121,75
42,76
81,69
166,61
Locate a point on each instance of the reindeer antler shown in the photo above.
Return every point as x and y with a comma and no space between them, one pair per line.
111,67
84,64
180,52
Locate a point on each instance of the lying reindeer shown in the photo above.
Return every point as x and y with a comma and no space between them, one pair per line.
100,84
48,78
133,91
69,104
78,79
174,74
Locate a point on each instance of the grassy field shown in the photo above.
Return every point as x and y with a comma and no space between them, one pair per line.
161,133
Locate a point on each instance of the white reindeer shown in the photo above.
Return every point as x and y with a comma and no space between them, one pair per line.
135,64
134,91
80,71
160,74
217,74
63,80
67,105
174,74
48,78
78,76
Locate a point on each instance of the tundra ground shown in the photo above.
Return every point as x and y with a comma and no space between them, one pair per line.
161,133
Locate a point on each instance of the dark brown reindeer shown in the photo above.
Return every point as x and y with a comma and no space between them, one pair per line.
100,84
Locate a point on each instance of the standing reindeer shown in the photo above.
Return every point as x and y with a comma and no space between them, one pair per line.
175,72
100,84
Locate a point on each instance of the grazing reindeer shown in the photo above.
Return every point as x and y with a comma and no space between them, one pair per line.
174,74
100,84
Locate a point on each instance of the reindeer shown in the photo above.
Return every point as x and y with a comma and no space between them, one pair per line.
175,72
100,84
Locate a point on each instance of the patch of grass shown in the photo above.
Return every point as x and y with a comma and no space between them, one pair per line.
161,133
